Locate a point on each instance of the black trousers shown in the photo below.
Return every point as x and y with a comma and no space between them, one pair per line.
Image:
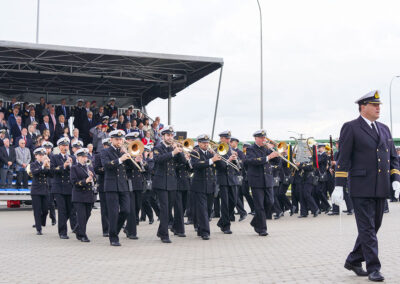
228,202
178,225
203,201
118,210
83,212
307,202
296,196
369,214
134,204
245,192
239,205
261,197
65,213
185,201
22,179
284,201
166,199
39,205
52,207
217,205
321,196
276,207
104,212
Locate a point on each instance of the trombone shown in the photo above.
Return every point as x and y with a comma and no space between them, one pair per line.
281,146
221,149
187,146
134,149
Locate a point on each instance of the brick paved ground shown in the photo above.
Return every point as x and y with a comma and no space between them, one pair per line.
310,250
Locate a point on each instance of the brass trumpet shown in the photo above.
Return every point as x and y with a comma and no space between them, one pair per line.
221,149
281,146
134,149
187,146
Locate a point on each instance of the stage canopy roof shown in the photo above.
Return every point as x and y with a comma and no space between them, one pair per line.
29,71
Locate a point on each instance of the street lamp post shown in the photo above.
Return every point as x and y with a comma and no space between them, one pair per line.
261,68
37,21
390,102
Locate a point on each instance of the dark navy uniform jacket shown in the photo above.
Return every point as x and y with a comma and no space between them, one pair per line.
285,171
115,178
165,167
367,160
183,172
99,170
227,175
308,172
82,191
323,160
61,183
276,166
203,173
39,179
136,176
259,172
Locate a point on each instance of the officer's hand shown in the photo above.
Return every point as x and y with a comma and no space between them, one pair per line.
176,151
9,163
66,164
270,146
216,158
89,179
273,155
125,157
396,188
138,158
337,195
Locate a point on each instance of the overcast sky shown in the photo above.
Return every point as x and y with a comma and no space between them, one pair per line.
319,56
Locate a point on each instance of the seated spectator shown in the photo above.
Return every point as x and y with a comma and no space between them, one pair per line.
141,130
24,136
66,133
47,124
23,158
146,139
75,136
31,118
121,122
146,124
7,162
46,135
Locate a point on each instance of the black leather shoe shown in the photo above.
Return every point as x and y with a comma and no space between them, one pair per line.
64,237
242,217
386,211
263,234
189,222
376,276
252,213
53,222
302,216
358,270
345,211
350,212
327,210
205,237
227,232
151,221
78,238
132,237
85,240
277,216
333,213
232,219
115,244
33,226
316,213
106,235
39,233
182,235
166,241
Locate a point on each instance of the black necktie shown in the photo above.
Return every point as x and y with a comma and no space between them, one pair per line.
374,128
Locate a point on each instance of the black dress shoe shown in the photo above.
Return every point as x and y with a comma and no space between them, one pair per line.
132,237
327,210
232,219
358,270
106,235
350,212
166,241
182,235
345,211
242,217
85,240
78,238
386,211
53,223
151,221
277,216
33,226
376,276
302,216
205,237
189,222
39,233
115,244
316,213
333,213
252,213
263,234
227,232
291,212
64,237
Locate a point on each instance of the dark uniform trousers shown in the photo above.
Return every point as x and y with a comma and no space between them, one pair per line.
51,207
321,195
40,209
134,205
307,202
65,212
202,211
116,190
178,225
228,196
104,212
83,212
166,199
261,196
149,203
245,192
283,199
368,163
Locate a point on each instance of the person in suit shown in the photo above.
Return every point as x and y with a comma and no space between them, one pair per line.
24,136
87,124
7,161
47,124
40,107
31,118
99,170
259,175
227,180
167,155
110,107
59,130
369,163
116,185
40,170
307,202
12,118
321,190
23,159
83,179
62,187
16,129
203,184
98,117
63,109
245,189
287,179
